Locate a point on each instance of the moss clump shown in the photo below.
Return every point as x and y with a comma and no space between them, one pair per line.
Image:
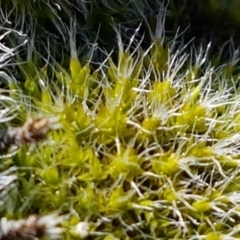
147,145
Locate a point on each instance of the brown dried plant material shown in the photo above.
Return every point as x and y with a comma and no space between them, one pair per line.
33,130
33,227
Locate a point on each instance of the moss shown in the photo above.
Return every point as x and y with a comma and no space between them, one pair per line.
147,145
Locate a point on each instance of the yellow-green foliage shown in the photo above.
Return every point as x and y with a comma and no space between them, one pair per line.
148,148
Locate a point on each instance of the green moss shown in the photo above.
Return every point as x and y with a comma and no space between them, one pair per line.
142,154
148,146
